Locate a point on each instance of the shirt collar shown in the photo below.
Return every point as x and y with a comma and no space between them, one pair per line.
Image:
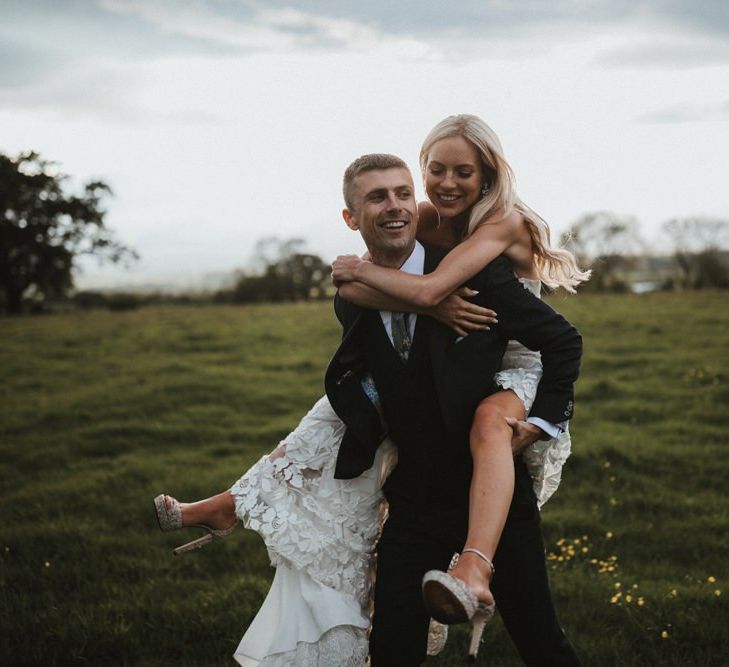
415,263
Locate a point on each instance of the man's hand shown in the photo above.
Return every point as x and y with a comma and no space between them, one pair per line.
524,434
461,315
344,269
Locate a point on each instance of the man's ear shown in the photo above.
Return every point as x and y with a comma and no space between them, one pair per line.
349,219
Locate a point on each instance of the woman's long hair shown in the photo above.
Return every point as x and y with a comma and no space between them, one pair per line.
556,267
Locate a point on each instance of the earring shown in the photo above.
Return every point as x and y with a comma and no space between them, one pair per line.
484,190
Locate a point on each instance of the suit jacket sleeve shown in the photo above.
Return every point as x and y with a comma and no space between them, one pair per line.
365,430
536,325
345,311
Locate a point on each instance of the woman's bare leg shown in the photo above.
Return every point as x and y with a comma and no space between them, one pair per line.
217,512
492,487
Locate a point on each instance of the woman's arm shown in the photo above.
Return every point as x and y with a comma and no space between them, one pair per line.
454,311
486,243
370,297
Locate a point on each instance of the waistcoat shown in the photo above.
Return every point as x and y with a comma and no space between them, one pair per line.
433,467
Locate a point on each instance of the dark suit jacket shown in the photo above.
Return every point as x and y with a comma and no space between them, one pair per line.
464,370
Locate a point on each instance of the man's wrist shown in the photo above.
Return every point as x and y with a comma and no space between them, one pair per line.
361,271
548,429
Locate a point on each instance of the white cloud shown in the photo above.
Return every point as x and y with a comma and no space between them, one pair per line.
96,88
199,20
688,113
668,51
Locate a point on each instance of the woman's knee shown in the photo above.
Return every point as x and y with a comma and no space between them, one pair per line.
489,421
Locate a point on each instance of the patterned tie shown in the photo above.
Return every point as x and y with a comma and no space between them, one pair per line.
401,335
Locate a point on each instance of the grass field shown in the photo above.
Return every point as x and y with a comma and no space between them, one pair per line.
102,411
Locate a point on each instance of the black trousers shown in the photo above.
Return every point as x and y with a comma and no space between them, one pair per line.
420,538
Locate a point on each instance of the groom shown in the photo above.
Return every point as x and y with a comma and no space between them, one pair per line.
426,405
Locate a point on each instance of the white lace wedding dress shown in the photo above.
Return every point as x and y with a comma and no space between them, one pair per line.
321,532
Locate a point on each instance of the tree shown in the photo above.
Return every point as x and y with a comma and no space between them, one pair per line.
697,245
43,229
283,273
607,243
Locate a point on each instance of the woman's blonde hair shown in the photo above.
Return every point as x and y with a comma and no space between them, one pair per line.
556,267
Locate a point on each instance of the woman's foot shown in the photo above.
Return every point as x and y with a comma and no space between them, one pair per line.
476,574
450,599
217,513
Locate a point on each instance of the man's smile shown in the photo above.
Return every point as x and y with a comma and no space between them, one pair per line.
394,224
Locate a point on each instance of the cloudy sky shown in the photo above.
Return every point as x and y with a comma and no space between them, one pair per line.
219,122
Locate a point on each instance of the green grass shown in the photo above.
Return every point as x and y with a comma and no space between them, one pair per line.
101,411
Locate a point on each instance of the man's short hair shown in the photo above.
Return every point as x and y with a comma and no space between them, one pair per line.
369,162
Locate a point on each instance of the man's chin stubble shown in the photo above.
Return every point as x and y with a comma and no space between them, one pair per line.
392,257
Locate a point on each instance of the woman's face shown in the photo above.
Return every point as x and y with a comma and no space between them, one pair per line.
453,176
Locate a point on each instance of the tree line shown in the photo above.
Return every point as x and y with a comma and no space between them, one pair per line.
619,255
45,228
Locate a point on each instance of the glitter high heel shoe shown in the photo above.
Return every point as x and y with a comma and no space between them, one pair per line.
437,637
170,518
450,600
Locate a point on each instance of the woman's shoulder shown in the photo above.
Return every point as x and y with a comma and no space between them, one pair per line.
511,231
511,222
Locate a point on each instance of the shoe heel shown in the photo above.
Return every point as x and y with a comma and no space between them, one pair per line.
478,623
195,544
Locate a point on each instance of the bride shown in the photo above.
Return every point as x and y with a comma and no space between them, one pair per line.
321,532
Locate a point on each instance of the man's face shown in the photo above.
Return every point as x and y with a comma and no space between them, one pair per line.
385,212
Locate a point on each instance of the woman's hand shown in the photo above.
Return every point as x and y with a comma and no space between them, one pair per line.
461,315
344,269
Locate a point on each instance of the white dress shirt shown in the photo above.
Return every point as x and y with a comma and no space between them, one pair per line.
414,264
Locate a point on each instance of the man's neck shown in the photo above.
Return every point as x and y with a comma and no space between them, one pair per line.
393,260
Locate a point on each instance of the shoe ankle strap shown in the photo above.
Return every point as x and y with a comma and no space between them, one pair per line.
482,556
